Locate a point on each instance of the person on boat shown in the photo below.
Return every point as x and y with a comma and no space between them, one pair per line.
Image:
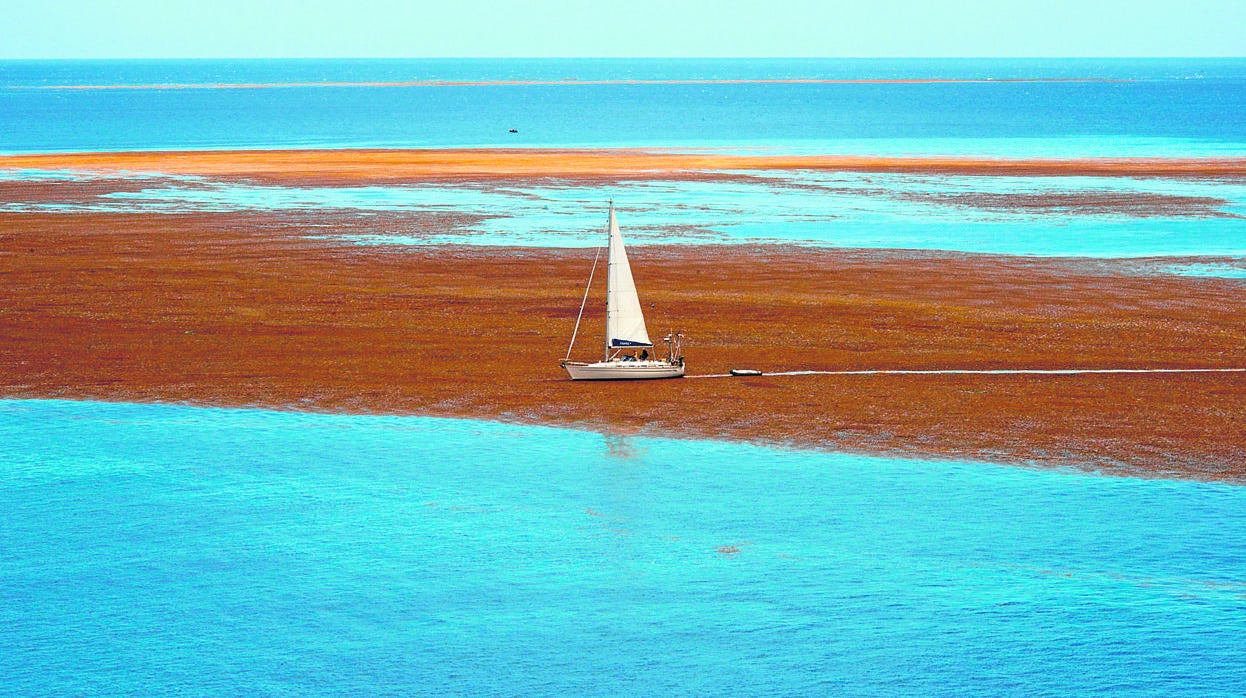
644,354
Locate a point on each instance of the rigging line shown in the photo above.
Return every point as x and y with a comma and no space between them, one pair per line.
582,304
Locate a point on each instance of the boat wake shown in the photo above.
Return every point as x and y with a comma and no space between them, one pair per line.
981,372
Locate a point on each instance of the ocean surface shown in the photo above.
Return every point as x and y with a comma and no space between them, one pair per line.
162,549
1038,108
159,549
1124,107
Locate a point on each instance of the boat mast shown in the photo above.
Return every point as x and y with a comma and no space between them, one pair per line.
610,262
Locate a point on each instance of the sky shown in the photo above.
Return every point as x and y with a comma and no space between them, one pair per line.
619,28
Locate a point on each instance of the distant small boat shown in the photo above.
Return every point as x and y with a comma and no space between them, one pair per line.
745,372
625,325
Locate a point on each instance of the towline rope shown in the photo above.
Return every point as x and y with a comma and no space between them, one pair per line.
983,372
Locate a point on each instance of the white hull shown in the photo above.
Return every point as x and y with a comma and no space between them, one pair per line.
623,370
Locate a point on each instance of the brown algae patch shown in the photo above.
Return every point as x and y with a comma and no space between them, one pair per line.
274,309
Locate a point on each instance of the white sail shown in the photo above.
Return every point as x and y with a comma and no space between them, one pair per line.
625,322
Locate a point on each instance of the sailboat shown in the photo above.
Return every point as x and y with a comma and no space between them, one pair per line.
625,326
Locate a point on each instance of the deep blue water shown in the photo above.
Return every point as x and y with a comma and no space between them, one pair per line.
1197,102
168,549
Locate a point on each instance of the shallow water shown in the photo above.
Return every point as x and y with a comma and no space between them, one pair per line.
157,549
1106,216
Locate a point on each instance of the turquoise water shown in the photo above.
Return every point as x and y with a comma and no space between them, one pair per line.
833,209
168,549
842,210
1227,271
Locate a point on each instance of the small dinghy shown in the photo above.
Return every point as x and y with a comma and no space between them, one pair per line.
745,372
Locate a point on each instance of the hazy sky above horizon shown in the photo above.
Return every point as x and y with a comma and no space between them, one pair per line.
636,28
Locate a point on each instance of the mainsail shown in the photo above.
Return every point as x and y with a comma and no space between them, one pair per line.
625,323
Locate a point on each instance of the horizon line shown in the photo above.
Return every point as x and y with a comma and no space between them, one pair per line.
620,58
